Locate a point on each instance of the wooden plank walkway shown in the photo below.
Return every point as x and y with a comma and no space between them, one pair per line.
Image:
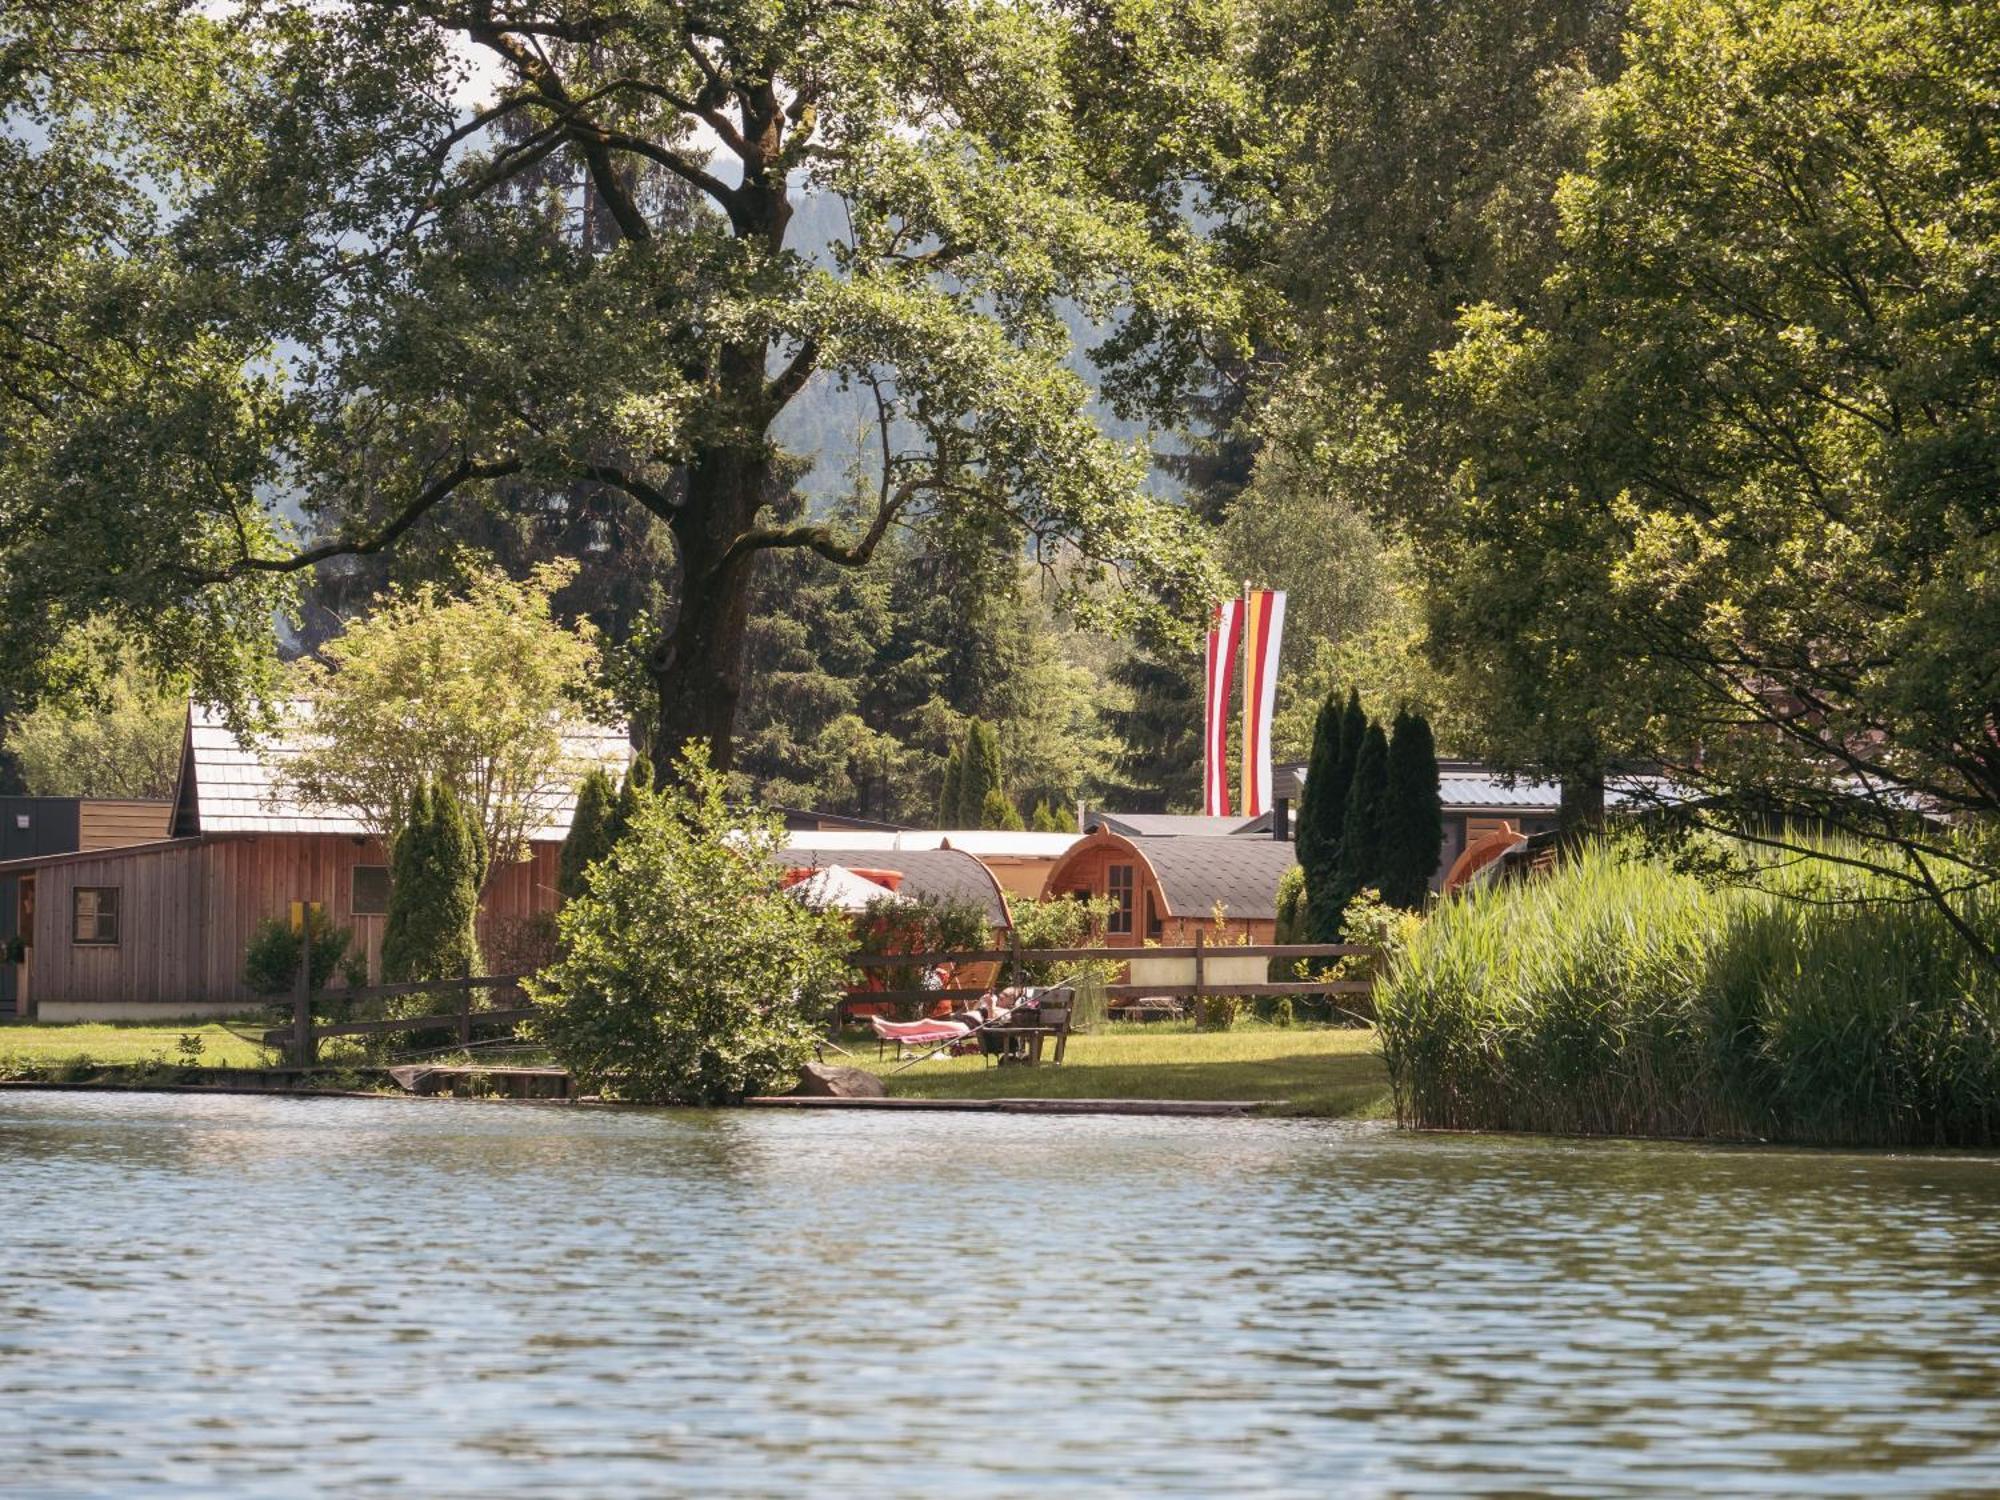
1193,1107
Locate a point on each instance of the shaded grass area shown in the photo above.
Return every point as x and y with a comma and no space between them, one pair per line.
1309,1070
31,1050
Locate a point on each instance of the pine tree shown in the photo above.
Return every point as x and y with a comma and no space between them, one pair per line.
951,793
589,837
1048,820
981,770
1000,812
1412,815
431,929
1361,830
1158,762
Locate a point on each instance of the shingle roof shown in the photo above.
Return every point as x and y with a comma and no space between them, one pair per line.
230,786
1197,872
943,873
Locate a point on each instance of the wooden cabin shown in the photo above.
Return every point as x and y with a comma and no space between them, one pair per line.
1165,887
158,929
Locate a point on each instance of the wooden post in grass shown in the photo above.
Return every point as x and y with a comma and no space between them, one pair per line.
1197,964
1014,957
303,1051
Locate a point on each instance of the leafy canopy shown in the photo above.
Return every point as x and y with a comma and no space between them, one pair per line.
470,693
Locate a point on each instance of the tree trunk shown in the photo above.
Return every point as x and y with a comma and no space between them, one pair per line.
697,669
1580,809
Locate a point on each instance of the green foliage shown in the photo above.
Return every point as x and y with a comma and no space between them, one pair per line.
1362,830
1156,721
1323,807
1412,815
1716,470
1000,812
980,774
951,791
1063,922
116,732
1291,926
1617,996
589,838
271,958
634,792
687,975
431,931
1048,820
468,690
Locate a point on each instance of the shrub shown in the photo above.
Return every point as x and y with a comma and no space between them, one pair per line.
431,930
271,958
520,945
687,975
1614,995
590,834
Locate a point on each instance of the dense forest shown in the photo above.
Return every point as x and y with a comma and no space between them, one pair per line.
1612,385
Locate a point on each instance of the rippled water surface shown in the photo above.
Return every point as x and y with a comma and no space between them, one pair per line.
284,1297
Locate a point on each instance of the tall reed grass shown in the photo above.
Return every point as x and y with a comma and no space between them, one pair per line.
1615,996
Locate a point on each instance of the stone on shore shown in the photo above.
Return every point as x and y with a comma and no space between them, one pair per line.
828,1081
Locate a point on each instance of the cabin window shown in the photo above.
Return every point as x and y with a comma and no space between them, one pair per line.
95,914
369,891
1118,885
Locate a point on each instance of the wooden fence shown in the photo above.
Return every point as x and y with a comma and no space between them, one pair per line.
300,1040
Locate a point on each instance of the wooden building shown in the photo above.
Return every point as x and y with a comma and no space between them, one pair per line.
158,929
1019,861
61,825
1165,887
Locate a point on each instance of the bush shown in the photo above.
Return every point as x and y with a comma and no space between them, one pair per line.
520,945
271,958
687,975
1614,995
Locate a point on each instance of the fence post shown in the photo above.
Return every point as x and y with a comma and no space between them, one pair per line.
465,1018
1014,957
304,1053
1197,963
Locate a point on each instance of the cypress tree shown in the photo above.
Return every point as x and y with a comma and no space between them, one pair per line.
1353,730
1412,814
1048,820
431,929
999,812
951,792
1361,830
589,836
638,785
981,770
1319,808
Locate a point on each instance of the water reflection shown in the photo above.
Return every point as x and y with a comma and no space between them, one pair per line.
280,1297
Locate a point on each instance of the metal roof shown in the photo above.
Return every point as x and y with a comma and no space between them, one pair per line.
229,785
1466,786
1173,825
947,874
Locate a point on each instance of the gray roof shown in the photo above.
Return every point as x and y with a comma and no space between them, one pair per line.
1241,873
943,873
1171,825
230,785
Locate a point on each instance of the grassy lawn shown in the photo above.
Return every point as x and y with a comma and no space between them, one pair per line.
25,1046
1313,1070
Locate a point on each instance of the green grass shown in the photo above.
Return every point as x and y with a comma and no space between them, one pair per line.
1311,1070
29,1048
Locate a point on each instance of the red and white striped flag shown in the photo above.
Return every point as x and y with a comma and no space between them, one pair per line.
1224,636
1265,609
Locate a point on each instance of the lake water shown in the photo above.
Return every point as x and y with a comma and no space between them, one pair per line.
279,1297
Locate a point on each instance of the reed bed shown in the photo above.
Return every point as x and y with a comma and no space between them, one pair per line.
1616,996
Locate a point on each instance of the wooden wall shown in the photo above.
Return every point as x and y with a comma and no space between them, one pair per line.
1086,868
106,825
186,915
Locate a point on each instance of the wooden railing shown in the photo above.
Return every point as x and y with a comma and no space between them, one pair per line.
301,1038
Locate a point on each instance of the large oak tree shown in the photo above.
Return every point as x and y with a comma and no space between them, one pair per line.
360,261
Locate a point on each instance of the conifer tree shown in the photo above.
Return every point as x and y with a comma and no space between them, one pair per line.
431,930
1361,829
1319,807
638,785
1000,812
589,837
1048,820
951,793
981,768
1412,814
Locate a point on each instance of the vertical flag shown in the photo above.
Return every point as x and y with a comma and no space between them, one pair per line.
1224,636
1265,627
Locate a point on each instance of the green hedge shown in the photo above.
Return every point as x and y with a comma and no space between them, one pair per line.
1615,996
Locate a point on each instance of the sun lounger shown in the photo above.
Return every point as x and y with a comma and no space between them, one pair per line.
917,1034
